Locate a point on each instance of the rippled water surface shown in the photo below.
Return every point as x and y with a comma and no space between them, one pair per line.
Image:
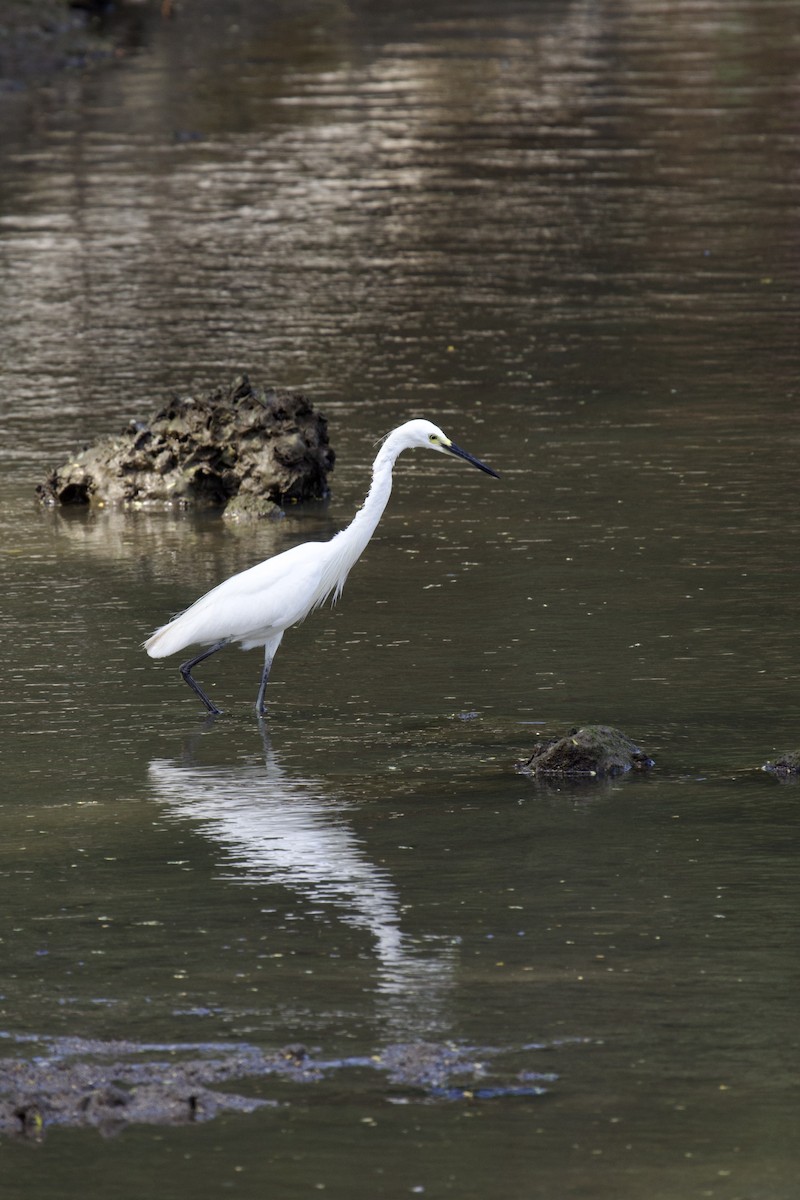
568,233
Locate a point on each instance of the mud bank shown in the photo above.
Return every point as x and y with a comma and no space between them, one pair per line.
243,449
109,1085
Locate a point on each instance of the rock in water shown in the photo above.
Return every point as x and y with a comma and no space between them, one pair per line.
592,750
787,765
251,449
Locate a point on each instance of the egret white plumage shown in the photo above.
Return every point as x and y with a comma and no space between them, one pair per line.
257,606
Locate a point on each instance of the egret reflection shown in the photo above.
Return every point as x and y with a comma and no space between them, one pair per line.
280,828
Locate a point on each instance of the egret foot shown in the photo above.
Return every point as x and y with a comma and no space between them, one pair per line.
186,671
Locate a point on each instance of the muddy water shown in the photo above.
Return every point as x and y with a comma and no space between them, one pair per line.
568,233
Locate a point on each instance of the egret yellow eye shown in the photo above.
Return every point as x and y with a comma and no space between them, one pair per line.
433,438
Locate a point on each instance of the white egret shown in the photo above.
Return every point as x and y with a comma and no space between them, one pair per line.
257,606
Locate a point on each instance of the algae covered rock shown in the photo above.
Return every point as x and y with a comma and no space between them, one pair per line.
261,448
592,750
788,764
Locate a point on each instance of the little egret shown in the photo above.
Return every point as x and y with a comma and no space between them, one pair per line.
257,606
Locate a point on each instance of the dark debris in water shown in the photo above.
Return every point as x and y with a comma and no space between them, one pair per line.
110,1085
43,39
785,767
593,751
239,448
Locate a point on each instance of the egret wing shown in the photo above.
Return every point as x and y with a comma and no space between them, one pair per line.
261,601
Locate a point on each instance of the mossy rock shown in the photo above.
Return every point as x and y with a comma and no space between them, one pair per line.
591,751
787,764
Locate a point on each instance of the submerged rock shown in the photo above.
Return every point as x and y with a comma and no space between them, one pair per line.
589,751
43,40
787,764
111,1085
249,449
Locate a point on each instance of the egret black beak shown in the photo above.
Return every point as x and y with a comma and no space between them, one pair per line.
476,462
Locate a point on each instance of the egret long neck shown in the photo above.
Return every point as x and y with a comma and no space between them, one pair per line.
348,545
365,522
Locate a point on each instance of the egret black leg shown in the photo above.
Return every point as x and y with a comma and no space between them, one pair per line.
186,672
264,681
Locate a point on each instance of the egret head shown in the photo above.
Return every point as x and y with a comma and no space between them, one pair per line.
425,433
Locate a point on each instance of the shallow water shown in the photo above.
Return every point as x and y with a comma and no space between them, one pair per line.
566,232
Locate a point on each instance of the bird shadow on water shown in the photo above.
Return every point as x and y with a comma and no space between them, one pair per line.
279,826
